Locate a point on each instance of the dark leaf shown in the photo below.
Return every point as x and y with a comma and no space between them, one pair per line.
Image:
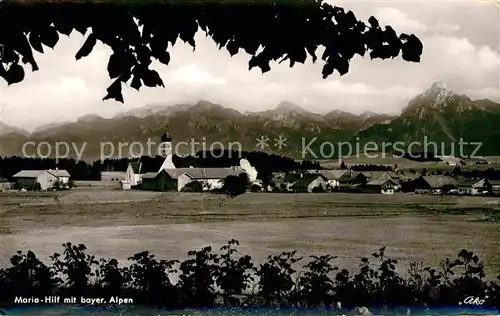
328,69
136,83
81,28
87,47
49,36
373,22
412,48
143,55
232,48
35,42
151,78
14,74
163,57
64,26
114,91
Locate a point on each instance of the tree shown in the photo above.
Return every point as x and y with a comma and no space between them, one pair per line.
343,166
285,29
193,186
236,185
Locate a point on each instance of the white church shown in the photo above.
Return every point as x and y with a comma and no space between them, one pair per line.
210,178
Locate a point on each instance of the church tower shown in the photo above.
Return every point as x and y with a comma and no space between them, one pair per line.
166,145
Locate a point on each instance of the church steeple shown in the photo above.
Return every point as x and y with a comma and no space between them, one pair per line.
166,144
166,137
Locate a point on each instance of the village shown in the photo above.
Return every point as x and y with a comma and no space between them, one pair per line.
166,177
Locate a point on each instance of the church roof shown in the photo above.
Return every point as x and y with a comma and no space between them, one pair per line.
205,173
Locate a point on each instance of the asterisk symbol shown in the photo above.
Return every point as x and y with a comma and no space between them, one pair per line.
280,142
262,142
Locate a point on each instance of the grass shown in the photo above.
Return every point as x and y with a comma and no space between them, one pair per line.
83,207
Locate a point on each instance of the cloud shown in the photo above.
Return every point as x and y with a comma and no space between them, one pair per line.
193,74
399,20
336,86
404,23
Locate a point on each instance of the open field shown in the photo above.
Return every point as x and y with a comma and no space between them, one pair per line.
413,227
405,164
90,207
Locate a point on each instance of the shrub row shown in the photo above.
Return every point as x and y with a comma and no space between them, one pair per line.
208,279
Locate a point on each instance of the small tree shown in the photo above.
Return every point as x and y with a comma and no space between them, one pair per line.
343,166
236,185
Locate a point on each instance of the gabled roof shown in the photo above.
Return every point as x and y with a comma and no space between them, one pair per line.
153,175
470,182
149,175
205,173
306,179
335,174
293,177
378,182
409,176
492,182
28,173
374,175
146,164
437,182
136,167
59,173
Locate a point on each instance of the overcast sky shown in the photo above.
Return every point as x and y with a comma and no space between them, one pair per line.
461,47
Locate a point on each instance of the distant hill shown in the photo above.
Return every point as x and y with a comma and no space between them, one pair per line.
444,117
439,114
7,129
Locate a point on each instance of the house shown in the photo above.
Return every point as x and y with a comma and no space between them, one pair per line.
160,181
61,175
426,184
352,178
133,174
383,175
138,167
278,178
4,185
309,182
384,186
494,187
472,187
210,178
34,179
333,177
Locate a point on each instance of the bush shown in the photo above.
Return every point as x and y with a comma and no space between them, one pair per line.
193,186
255,188
206,276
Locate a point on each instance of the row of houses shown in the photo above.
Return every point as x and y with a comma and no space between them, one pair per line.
384,182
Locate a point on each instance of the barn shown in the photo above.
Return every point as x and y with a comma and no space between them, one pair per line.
160,181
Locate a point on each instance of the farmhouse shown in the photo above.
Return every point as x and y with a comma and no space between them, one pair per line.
210,178
426,184
40,179
61,175
472,187
333,177
494,187
4,184
160,181
383,175
350,178
309,182
384,186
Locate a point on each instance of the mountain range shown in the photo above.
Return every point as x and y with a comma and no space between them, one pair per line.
438,113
